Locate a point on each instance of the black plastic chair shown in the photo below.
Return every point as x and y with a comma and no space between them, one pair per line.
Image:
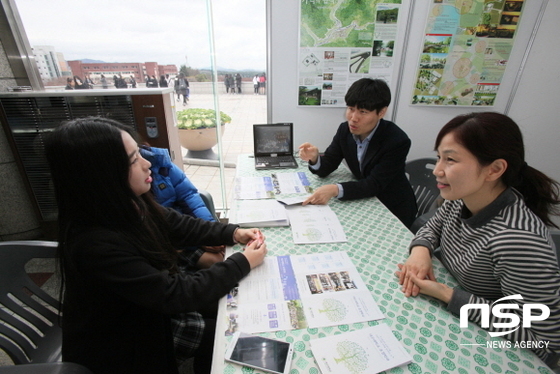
556,239
209,201
29,330
31,333
423,183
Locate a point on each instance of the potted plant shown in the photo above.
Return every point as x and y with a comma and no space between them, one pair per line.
197,128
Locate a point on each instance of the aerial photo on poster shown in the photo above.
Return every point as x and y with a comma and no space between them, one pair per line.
341,42
465,52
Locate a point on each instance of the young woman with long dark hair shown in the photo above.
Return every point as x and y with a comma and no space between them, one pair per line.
492,230
126,306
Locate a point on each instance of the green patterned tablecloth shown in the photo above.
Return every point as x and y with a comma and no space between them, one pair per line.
377,242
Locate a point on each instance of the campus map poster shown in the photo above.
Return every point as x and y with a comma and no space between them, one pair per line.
341,41
466,49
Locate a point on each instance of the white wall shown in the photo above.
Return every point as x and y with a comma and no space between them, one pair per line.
534,105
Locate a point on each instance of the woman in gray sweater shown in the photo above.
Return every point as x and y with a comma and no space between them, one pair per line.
492,232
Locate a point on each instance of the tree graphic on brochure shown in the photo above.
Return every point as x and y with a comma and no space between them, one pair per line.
353,356
335,310
313,234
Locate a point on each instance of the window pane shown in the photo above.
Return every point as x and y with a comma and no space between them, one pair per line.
166,37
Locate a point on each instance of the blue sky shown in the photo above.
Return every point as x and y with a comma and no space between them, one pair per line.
166,31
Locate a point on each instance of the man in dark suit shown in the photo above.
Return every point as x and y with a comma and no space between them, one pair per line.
374,149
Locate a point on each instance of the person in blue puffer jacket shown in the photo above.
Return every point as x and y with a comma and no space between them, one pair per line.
172,188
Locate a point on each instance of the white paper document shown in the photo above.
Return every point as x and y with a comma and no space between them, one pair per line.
368,351
289,183
261,213
315,224
247,188
294,292
293,200
253,188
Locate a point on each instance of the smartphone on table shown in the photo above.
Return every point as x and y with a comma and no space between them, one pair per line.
266,354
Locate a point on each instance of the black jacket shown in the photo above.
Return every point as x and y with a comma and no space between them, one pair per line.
383,172
117,305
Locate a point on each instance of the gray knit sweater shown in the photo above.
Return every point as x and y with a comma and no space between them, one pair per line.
503,250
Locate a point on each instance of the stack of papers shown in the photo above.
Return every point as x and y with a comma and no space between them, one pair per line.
261,213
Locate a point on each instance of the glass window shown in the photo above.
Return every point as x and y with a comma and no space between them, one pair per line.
202,40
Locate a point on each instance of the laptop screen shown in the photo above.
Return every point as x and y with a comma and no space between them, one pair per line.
273,139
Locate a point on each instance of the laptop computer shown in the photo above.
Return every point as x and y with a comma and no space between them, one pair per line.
273,146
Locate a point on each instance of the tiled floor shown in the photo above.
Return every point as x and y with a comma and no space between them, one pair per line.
245,110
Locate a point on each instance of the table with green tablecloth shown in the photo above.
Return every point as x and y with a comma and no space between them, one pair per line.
377,242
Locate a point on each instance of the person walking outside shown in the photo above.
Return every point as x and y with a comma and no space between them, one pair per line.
238,81
104,83
262,84
182,88
226,82
256,84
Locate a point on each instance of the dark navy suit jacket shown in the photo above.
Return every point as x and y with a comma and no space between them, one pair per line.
383,170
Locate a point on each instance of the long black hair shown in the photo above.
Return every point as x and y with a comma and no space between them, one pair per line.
490,136
90,172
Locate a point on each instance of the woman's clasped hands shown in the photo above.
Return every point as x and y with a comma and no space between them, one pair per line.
416,276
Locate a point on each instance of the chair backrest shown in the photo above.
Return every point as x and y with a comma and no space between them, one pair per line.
423,183
209,202
29,329
556,239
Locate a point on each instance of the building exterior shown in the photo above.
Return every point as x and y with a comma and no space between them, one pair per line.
109,69
51,64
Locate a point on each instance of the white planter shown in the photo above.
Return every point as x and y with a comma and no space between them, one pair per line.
199,139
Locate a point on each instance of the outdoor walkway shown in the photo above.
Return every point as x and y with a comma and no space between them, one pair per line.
244,110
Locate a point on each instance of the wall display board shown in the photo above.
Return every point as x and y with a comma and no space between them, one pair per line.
341,42
466,48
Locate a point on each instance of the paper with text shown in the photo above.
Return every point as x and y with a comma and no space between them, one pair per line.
293,292
315,224
253,188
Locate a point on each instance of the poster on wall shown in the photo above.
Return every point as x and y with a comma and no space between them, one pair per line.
466,48
341,42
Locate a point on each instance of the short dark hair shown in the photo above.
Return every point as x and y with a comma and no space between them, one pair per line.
369,94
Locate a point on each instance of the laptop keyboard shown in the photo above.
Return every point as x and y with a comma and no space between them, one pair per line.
275,159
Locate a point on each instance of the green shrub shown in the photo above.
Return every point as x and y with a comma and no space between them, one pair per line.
199,118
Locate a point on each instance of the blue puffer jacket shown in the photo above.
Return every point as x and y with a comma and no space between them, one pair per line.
171,186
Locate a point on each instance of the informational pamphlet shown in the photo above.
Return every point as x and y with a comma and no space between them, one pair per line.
270,186
295,292
315,224
253,188
261,213
368,351
291,183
